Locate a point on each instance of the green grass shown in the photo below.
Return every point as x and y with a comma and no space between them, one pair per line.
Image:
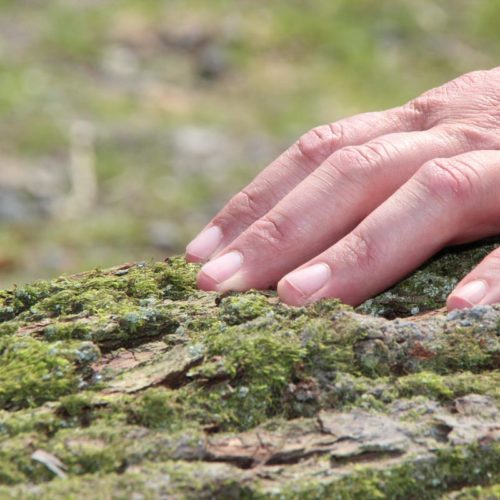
132,69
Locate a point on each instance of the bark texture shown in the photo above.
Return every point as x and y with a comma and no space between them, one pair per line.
130,383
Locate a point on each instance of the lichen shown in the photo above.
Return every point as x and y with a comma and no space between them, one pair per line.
128,374
428,287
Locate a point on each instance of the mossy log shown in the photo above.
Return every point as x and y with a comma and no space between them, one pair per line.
131,383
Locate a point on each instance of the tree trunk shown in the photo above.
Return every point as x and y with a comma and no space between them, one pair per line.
130,383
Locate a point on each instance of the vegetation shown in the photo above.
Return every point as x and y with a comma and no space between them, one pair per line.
186,100
126,126
130,381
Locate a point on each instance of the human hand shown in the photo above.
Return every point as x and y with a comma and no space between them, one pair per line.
354,206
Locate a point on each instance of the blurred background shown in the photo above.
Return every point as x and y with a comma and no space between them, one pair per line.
125,125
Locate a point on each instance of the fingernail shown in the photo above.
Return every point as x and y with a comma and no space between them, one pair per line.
309,280
470,294
205,244
223,267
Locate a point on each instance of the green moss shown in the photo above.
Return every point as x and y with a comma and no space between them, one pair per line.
77,408
449,387
424,291
178,278
111,308
343,390
347,391
129,325
101,292
156,408
16,465
477,492
426,383
83,451
8,328
249,367
7,312
105,447
450,468
258,363
33,372
465,349
82,330
98,448
173,479
485,383
328,350
42,420
428,287
21,299
144,319
238,309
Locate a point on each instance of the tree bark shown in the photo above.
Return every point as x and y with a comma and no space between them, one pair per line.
131,383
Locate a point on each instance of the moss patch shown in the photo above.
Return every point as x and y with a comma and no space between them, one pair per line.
111,372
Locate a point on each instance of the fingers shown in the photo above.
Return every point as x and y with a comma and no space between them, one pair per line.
481,286
446,201
326,206
294,165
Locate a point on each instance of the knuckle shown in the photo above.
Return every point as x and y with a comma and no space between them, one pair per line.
273,231
356,162
416,112
374,153
429,108
360,250
319,142
425,108
336,132
249,201
449,180
243,207
420,110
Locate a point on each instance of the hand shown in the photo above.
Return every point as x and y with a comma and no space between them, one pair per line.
354,206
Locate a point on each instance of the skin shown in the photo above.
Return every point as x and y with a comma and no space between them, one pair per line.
354,206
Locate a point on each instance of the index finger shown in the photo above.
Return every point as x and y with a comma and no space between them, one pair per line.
289,169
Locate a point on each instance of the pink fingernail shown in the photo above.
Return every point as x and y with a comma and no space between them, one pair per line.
469,294
223,267
205,244
309,280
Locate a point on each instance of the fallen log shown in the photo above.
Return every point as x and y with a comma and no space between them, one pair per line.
131,383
